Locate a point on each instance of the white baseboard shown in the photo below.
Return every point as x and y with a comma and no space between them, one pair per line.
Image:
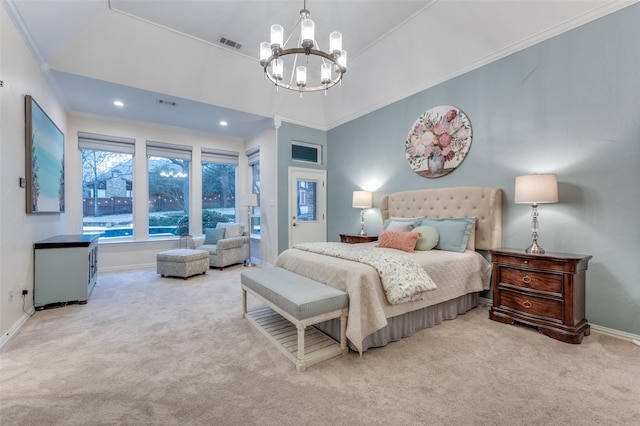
13,330
594,327
615,333
118,268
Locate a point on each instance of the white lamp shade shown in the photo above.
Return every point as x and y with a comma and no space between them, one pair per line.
342,60
536,189
301,75
335,42
325,73
265,52
307,32
249,200
277,69
277,35
362,199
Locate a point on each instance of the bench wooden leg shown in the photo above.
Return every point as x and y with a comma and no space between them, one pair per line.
343,332
300,365
244,303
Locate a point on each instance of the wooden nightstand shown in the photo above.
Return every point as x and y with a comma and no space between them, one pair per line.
546,291
355,238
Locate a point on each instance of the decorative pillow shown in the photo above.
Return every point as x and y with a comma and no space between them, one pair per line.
405,241
415,221
453,232
213,235
471,241
428,237
232,229
400,226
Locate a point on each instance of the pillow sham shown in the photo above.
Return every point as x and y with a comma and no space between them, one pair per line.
415,221
428,238
405,241
232,230
213,235
400,226
454,232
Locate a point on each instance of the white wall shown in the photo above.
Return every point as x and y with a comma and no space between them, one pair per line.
18,231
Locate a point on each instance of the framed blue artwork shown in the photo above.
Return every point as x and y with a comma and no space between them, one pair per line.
44,156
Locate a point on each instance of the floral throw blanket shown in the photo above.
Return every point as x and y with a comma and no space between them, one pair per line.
403,279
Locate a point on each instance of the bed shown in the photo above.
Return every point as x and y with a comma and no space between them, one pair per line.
459,277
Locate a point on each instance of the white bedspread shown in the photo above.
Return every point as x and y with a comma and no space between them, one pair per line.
403,279
456,274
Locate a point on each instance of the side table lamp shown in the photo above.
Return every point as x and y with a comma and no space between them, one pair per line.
536,189
362,200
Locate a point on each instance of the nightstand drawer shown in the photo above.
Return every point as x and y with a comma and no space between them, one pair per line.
531,305
540,281
532,262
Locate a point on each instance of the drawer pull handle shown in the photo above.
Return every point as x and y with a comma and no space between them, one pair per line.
526,279
527,304
526,262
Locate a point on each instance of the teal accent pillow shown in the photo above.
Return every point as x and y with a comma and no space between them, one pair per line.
415,221
428,238
213,235
453,232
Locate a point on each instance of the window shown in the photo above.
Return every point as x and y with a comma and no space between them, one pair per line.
307,152
218,187
107,185
168,168
254,163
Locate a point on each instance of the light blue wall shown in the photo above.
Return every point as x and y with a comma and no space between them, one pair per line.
571,106
286,134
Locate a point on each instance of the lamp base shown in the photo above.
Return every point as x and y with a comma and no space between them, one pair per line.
534,248
362,232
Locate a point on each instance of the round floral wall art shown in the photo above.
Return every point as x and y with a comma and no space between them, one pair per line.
438,141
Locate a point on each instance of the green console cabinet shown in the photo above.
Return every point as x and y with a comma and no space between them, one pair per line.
66,269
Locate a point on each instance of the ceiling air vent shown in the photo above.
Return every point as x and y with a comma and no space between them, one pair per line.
165,102
230,43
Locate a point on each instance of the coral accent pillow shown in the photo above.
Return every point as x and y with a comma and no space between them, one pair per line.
405,241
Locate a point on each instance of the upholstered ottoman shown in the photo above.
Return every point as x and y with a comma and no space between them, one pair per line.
182,262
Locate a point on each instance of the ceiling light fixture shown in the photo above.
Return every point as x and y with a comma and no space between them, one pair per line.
223,123
332,64
118,103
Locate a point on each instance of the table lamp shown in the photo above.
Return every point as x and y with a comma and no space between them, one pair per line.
362,200
536,189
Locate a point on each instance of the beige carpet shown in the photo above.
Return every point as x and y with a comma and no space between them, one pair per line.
147,350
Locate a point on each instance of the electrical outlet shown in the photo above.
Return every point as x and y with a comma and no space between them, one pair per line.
10,296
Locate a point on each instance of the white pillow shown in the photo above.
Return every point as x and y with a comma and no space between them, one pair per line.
397,226
232,230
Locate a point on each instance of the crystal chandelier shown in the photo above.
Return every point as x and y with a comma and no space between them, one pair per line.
332,64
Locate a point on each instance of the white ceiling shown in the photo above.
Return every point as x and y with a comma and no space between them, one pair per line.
141,51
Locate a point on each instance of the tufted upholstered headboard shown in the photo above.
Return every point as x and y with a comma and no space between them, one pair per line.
485,204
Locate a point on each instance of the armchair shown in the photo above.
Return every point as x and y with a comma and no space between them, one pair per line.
226,247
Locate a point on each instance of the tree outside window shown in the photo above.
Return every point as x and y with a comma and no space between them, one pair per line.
107,193
168,196
218,194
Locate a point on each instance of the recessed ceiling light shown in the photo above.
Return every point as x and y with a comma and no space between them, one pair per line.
223,123
118,103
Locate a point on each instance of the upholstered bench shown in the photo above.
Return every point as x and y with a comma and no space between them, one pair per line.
293,303
182,262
